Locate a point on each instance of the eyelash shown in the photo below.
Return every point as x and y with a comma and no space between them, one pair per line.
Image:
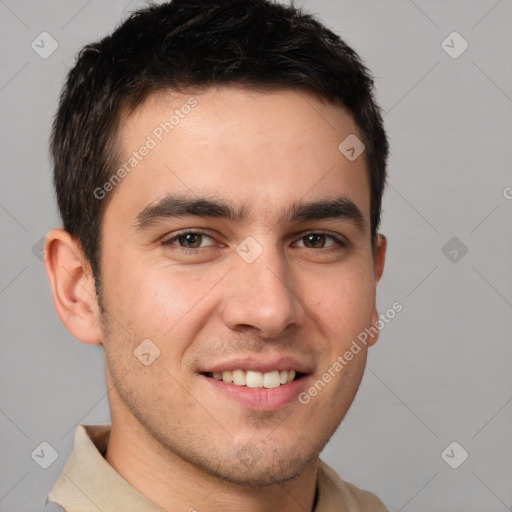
169,241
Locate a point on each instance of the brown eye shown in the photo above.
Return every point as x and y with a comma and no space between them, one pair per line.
189,240
315,241
320,241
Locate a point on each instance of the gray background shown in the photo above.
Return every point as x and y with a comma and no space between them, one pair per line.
441,369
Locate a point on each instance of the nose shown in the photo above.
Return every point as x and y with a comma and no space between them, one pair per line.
261,296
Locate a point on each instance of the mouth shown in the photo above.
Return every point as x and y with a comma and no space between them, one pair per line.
256,382
258,391
254,379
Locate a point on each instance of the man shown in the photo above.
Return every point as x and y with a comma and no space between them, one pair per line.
219,168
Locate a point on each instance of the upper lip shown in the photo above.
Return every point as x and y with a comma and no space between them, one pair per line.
259,364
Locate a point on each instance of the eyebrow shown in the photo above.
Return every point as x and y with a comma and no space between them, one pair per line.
336,208
173,206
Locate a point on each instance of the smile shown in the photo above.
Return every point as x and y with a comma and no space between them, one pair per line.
254,379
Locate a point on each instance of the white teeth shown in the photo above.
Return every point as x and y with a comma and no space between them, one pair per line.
239,377
253,379
271,380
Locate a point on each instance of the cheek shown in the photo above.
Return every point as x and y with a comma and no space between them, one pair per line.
168,306
165,298
159,304
345,301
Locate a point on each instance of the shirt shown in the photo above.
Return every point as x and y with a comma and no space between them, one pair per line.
89,483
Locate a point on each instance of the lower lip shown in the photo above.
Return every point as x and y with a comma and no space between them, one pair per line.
261,399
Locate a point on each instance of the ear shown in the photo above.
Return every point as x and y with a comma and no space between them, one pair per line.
379,257
72,286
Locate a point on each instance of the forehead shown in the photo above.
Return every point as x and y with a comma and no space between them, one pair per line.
259,150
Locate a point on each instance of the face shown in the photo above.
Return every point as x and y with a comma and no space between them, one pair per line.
239,245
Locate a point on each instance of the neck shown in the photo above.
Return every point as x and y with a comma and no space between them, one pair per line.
176,485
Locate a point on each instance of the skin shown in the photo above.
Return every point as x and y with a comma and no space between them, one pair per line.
174,438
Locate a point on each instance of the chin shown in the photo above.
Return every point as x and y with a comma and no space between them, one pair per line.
258,470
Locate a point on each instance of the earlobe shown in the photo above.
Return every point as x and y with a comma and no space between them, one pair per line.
72,286
379,258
